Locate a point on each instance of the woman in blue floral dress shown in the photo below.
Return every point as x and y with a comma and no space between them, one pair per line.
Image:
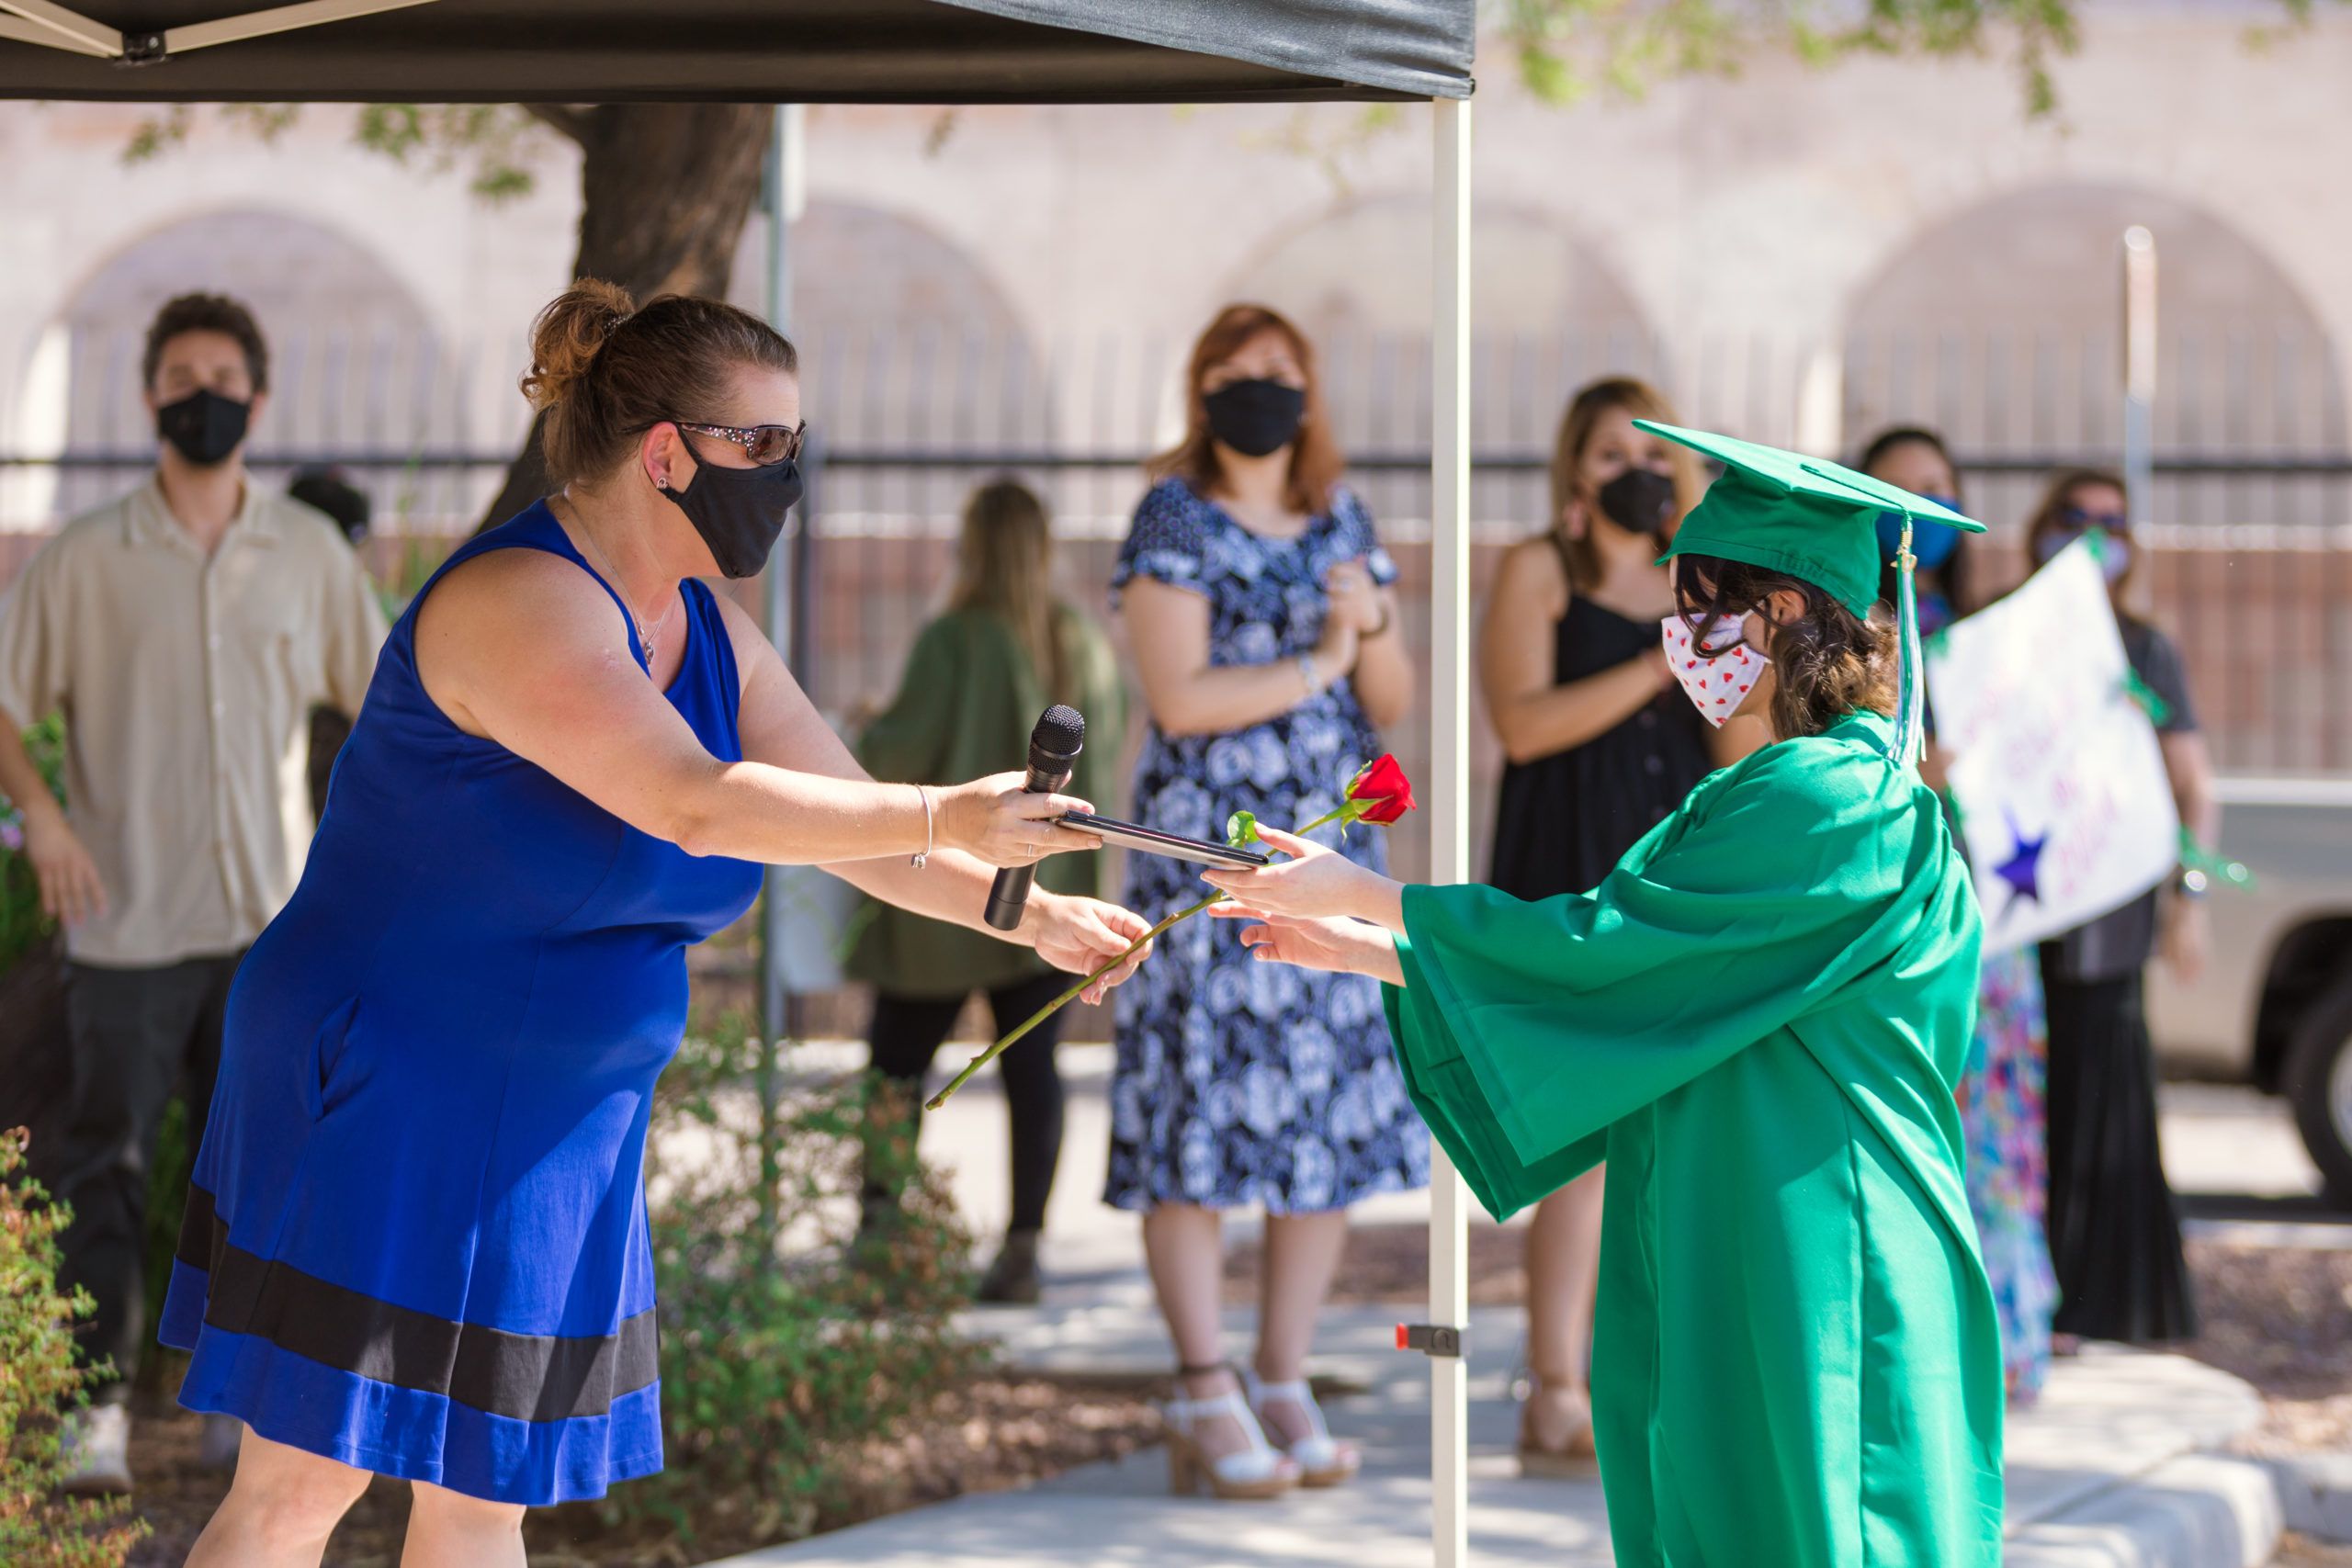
1257,599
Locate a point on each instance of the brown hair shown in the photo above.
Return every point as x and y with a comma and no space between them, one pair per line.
1314,459
2054,500
1826,664
604,371
1641,400
1004,564
205,314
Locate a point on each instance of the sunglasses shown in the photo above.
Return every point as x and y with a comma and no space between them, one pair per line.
2074,520
766,445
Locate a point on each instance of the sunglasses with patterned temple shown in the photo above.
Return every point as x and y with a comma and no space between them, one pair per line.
766,445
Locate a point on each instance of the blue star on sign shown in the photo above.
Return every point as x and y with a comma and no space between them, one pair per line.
2022,869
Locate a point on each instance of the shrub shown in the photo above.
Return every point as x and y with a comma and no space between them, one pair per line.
789,1340
38,1377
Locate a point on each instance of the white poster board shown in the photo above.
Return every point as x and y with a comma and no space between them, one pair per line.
2055,767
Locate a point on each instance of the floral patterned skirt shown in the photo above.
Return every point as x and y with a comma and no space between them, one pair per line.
2001,1114
1239,1083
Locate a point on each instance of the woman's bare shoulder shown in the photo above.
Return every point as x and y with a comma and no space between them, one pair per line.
1531,572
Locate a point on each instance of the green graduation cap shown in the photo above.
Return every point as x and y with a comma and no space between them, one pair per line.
1785,512
1815,519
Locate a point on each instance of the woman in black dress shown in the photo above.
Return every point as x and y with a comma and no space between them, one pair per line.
2114,1231
1602,745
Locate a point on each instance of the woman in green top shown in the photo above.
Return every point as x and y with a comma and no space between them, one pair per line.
975,684
1758,1017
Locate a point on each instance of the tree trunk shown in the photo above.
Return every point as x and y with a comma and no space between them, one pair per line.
665,189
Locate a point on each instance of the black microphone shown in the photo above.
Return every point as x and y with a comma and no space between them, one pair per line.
1054,745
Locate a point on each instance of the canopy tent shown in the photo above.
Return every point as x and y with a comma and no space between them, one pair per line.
737,50
949,51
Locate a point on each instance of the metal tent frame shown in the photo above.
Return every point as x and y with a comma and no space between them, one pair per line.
791,51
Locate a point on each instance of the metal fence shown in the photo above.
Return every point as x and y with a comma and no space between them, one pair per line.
2250,552
2252,569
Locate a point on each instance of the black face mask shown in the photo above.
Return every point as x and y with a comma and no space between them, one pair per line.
1638,500
739,513
1255,418
204,427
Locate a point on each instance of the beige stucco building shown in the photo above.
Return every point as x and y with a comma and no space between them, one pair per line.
1797,252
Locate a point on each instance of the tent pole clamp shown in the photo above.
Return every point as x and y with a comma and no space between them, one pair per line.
1432,1339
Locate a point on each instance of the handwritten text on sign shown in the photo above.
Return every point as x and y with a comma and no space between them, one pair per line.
2060,781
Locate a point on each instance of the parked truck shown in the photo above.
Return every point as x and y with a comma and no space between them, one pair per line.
2274,1006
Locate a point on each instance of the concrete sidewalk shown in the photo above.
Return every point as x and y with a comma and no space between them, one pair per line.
2117,1468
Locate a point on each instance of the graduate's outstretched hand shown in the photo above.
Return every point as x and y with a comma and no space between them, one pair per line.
1313,883
1340,946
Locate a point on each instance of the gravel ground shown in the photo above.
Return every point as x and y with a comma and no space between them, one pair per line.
989,1437
2279,1317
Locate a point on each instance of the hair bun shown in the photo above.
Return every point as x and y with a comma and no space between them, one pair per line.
568,334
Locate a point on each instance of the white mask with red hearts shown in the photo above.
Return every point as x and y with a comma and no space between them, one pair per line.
1720,684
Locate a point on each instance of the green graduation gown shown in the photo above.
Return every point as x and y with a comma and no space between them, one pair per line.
1758,1020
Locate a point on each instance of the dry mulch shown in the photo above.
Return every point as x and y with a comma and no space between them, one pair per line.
2279,1317
992,1434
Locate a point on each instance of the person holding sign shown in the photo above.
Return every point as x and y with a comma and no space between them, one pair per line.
2001,1092
2114,1228
1758,1019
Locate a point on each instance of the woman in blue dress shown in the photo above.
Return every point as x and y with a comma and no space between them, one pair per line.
416,1241
1257,600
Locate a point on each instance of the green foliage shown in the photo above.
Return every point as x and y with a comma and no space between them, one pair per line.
501,142
499,145
21,921
1566,50
787,1344
38,1377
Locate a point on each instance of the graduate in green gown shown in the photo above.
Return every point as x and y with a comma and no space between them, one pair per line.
1757,1019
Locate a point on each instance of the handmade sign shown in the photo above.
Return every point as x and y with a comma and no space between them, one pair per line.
2055,770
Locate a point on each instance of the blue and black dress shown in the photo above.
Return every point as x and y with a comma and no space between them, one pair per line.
416,1238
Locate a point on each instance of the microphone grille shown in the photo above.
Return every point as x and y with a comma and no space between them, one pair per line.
1061,730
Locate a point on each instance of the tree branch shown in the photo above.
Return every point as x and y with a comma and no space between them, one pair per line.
573,120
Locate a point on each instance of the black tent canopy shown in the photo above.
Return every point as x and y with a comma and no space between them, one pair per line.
942,52
736,51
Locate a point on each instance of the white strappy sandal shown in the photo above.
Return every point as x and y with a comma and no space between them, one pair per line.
1323,1460
1260,1471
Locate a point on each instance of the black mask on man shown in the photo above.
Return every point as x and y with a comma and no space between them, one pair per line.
1640,501
204,427
739,513
1255,418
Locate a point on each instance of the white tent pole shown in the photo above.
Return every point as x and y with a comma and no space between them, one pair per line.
786,192
1449,778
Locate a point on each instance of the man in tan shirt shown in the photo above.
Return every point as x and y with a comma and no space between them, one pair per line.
185,632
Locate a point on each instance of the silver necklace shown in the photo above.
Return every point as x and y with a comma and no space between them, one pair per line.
612,579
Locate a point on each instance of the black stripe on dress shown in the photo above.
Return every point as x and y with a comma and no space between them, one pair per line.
529,1377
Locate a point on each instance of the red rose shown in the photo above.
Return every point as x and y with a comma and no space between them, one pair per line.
1385,789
